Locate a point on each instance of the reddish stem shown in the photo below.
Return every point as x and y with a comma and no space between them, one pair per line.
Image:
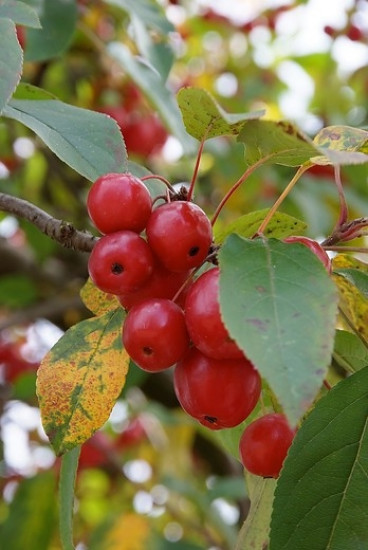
327,385
236,185
185,284
282,197
196,168
160,178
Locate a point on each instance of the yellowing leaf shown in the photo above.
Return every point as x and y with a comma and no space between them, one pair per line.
80,379
346,261
352,302
97,301
129,532
255,530
342,145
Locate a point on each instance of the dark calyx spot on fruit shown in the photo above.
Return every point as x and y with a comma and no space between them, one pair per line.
210,419
147,350
117,269
193,251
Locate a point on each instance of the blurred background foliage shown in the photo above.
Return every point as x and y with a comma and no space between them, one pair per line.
152,478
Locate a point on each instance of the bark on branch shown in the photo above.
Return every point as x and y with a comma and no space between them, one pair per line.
59,230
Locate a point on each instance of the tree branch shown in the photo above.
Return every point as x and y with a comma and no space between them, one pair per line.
59,230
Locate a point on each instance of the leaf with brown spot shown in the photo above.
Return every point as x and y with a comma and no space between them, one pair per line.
97,301
204,118
80,379
281,225
277,142
342,145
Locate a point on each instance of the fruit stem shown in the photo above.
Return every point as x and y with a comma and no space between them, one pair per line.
196,167
283,196
237,184
327,385
160,178
185,284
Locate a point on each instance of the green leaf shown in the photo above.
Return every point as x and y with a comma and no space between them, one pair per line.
349,351
80,379
11,61
321,499
356,277
28,91
150,13
204,118
280,305
281,225
32,514
68,473
20,13
255,530
53,38
281,142
152,85
342,145
158,53
89,142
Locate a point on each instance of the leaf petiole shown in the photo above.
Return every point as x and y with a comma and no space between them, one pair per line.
68,472
283,196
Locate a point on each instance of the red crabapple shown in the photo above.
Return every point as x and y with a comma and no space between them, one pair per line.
264,444
202,316
117,202
120,262
155,335
161,284
180,234
218,393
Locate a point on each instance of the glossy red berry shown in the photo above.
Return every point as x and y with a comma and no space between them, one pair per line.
117,202
144,135
120,262
203,318
264,445
315,247
155,335
161,284
218,393
180,234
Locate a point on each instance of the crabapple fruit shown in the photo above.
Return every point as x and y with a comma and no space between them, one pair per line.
180,234
155,335
218,393
202,316
117,202
120,262
264,445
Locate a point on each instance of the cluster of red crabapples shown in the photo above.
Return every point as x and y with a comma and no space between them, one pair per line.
147,256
